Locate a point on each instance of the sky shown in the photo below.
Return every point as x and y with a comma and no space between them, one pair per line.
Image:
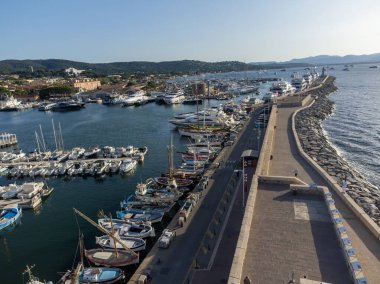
207,30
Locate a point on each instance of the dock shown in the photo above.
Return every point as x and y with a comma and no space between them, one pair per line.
7,139
281,229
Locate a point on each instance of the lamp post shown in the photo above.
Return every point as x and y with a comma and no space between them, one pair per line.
243,181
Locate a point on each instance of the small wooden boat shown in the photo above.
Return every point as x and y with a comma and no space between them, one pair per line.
110,257
101,275
135,244
128,228
9,216
140,215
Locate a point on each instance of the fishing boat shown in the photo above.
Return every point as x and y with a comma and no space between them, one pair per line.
109,257
136,228
135,244
103,275
9,216
151,215
97,275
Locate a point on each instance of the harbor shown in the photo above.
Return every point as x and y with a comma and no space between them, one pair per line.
201,178
121,186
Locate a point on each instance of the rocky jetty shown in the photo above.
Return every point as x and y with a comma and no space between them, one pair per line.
315,144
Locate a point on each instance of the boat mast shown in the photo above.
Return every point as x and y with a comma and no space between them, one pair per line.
60,134
43,140
38,144
102,229
55,137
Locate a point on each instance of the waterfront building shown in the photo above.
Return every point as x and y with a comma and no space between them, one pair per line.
86,84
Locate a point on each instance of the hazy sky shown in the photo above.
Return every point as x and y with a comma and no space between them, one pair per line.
208,30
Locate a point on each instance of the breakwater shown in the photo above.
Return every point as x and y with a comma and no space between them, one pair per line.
315,144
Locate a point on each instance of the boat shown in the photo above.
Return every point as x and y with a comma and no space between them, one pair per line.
135,244
91,153
101,275
67,106
46,192
128,165
10,104
174,97
109,257
151,216
33,279
374,66
128,228
192,101
135,98
46,106
9,216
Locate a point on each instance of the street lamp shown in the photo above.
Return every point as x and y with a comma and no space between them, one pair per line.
244,180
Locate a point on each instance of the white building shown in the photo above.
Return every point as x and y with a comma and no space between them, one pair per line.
73,71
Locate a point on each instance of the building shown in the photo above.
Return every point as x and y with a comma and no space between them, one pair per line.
86,85
198,88
73,71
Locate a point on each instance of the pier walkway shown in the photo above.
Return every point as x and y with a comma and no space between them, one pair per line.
282,243
176,263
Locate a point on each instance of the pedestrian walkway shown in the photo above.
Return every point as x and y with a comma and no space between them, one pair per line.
271,214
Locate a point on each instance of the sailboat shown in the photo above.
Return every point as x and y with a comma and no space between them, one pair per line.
170,181
96,275
109,257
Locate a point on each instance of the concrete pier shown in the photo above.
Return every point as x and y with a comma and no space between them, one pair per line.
280,246
7,139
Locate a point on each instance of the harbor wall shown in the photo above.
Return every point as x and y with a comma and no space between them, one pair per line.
261,169
356,209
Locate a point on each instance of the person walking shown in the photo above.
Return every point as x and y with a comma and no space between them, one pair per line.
344,185
295,172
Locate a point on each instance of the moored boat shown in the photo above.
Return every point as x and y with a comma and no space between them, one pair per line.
103,275
9,216
135,244
109,257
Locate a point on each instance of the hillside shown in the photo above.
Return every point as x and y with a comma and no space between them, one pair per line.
184,66
333,59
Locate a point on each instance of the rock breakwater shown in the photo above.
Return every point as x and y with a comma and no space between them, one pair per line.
315,144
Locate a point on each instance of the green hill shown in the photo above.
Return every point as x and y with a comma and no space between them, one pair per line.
168,67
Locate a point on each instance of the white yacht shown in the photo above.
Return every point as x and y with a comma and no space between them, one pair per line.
282,88
135,98
174,97
299,83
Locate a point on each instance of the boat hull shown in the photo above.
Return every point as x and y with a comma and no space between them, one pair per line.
101,275
107,257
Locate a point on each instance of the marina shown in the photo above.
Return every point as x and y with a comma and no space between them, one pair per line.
121,184
158,204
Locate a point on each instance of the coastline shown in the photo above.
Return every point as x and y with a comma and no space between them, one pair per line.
318,147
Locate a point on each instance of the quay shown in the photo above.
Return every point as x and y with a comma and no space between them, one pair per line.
7,139
283,228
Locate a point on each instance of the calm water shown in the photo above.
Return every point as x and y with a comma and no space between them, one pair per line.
48,237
